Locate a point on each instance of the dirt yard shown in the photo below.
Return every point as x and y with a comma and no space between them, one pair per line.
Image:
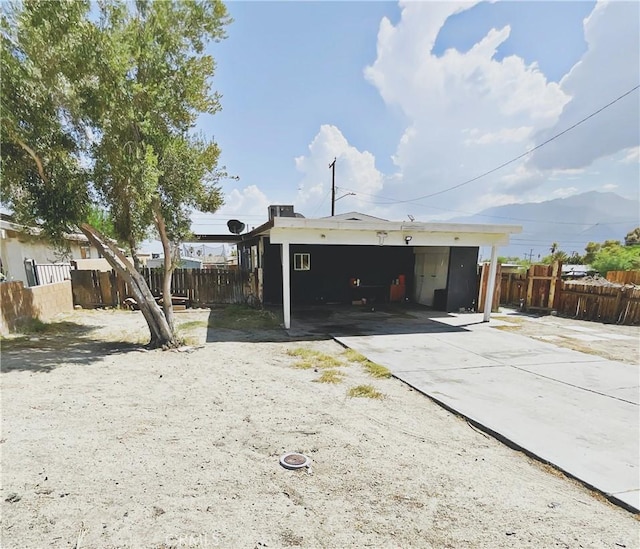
104,444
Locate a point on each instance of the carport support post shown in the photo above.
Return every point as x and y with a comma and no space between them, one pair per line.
491,284
286,286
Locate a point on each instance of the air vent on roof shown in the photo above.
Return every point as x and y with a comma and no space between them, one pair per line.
277,210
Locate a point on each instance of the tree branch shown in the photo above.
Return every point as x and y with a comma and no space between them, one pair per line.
35,157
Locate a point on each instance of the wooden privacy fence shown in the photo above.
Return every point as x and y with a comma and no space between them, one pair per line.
624,277
200,287
537,289
600,300
616,299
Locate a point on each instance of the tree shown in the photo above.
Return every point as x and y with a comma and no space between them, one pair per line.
633,237
99,109
574,259
616,258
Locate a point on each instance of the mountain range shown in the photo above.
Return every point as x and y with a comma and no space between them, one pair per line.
571,222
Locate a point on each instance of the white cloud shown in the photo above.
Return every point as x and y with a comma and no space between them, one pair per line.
248,202
504,135
609,68
632,156
609,187
467,112
355,172
564,192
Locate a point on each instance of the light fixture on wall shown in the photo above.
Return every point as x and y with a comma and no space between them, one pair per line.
407,239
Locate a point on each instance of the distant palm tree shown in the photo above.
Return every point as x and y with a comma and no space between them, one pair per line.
554,248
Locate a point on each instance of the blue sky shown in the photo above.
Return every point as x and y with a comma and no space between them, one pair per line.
415,97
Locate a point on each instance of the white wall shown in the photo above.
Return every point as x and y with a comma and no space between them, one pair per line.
14,250
431,270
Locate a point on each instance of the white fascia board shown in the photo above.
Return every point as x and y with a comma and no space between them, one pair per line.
378,237
334,232
411,228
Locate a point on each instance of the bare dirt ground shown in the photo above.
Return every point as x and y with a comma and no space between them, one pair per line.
106,445
609,341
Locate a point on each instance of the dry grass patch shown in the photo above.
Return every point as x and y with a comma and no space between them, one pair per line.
372,368
507,328
192,325
313,359
365,391
243,317
330,375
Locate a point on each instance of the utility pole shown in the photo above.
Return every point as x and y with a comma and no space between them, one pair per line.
530,254
333,187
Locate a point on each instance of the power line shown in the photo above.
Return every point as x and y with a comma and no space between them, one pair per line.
489,215
526,153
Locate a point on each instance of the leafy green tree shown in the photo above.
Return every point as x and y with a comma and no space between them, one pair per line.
557,255
591,249
616,258
633,237
574,259
99,109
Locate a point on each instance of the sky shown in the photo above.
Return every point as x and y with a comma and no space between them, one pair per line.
413,98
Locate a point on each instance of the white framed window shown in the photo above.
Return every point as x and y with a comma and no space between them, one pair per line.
301,262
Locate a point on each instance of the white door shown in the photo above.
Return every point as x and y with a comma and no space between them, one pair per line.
431,268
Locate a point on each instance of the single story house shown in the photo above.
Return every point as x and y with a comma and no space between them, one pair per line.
357,258
25,253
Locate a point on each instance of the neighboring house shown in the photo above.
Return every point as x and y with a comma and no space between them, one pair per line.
356,258
25,250
573,272
185,263
211,257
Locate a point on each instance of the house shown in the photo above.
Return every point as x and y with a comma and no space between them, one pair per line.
574,272
356,258
184,263
26,255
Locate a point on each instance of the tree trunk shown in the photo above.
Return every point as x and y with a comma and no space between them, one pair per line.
169,266
161,333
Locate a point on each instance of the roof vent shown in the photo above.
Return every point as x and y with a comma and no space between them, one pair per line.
278,210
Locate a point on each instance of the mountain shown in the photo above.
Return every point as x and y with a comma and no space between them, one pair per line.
572,222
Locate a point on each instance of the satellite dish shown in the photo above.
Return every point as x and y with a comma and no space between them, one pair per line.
235,226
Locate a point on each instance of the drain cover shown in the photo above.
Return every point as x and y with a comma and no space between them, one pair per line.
294,460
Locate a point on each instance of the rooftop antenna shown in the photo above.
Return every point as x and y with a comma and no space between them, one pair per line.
411,218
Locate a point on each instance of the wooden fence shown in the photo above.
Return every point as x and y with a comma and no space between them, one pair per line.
537,289
600,301
200,287
624,277
615,300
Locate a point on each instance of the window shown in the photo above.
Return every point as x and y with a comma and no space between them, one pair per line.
301,262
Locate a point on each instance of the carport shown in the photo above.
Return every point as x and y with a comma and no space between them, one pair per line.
359,257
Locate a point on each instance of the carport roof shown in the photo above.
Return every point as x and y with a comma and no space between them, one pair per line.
354,228
347,229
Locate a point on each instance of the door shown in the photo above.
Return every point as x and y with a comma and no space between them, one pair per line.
432,266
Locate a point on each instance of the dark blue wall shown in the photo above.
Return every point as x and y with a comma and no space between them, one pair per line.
331,269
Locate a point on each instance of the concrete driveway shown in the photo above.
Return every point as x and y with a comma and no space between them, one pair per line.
574,410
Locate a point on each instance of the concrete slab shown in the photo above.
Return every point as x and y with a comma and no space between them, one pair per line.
574,410
602,376
569,428
631,498
630,394
409,352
